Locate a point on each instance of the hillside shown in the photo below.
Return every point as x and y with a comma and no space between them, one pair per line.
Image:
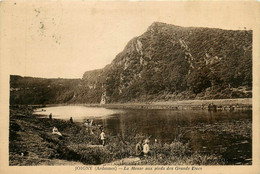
29,90
170,62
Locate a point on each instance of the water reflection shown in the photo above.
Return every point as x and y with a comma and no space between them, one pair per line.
79,113
206,132
166,124
223,132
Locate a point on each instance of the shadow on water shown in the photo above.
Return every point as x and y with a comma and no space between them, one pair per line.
222,132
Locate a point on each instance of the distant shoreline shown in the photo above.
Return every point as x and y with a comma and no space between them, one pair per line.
221,104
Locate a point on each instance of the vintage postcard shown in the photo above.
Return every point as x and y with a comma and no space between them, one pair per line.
129,86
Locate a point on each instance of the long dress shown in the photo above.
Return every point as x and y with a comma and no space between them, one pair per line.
138,149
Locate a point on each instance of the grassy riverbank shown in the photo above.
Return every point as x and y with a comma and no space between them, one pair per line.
32,143
221,104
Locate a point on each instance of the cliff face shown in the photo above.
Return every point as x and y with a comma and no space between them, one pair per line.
172,62
169,62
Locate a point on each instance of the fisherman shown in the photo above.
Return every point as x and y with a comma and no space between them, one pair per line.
103,137
56,131
139,149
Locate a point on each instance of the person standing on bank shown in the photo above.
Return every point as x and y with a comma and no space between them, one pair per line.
71,120
146,148
50,116
139,149
103,137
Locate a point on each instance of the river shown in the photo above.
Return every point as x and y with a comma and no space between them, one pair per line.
226,133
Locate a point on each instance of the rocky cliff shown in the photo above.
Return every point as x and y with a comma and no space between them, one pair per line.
173,62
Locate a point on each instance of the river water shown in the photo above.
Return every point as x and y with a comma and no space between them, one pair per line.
225,133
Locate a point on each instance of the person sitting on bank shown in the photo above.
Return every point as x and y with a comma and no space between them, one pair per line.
146,149
139,149
56,131
103,137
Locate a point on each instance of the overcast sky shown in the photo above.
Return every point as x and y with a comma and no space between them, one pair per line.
65,39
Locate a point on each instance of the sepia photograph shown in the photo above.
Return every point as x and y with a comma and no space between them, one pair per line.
130,86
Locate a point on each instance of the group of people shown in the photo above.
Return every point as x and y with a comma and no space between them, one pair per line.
102,136
142,149
88,123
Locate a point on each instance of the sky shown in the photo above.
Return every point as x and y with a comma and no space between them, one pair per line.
64,39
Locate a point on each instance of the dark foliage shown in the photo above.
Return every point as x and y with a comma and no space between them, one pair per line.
171,60
29,90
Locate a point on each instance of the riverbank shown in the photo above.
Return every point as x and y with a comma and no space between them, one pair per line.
32,143
220,104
